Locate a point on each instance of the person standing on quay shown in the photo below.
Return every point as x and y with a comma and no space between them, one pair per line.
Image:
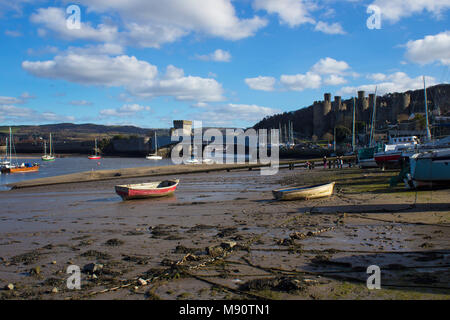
325,162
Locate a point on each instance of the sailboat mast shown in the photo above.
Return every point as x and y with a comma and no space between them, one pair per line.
50,150
354,116
372,127
156,145
426,110
10,148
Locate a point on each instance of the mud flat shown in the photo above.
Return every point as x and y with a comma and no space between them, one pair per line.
222,236
99,175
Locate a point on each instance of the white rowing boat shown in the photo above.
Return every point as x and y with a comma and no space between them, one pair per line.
304,193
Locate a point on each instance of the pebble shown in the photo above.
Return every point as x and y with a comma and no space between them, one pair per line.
53,262
9,287
142,282
55,290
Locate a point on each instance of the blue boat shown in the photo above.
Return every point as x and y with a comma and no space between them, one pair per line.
430,168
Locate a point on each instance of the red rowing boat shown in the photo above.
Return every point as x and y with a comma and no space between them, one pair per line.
94,157
147,190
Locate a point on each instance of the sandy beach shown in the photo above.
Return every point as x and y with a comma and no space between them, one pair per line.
222,236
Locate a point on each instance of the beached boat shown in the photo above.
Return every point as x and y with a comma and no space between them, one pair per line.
304,193
50,156
155,155
430,168
391,156
96,156
147,190
366,157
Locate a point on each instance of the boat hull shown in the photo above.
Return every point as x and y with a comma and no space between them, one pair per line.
368,163
94,157
388,160
431,169
145,191
20,169
304,193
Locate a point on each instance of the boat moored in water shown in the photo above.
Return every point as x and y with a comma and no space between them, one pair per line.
147,190
305,192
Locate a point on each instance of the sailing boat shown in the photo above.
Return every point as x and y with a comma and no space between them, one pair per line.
50,156
96,156
5,161
15,167
155,155
429,168
366,155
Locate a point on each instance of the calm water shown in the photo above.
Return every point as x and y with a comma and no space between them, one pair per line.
77,164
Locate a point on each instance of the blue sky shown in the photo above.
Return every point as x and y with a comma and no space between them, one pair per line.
223,62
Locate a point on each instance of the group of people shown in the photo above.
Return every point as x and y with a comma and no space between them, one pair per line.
338,162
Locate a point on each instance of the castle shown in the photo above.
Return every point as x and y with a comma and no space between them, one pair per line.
322,117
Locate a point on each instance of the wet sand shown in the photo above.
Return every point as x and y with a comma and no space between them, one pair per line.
222,236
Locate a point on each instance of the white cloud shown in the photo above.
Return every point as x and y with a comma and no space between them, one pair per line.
54,19
330,66
334,80
261,83
394,10
334,28
80,103
23,98
332,70
155,22
377,77
92,69
300,82
20,115
291,12
233,114
219,56
430,49
395,82
127,110
139,78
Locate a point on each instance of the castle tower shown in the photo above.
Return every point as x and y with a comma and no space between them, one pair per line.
363,103
327,104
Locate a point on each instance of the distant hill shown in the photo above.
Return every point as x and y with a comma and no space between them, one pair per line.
88,129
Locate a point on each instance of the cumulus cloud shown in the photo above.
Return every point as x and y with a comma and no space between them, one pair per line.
154,22
330,66
139,78
261,83
218,56
334,28
395,82
93,69
326,71
432,48
127,110
300,82
394,10
334,80
23,98
233,114
291,12
54,20
21,115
